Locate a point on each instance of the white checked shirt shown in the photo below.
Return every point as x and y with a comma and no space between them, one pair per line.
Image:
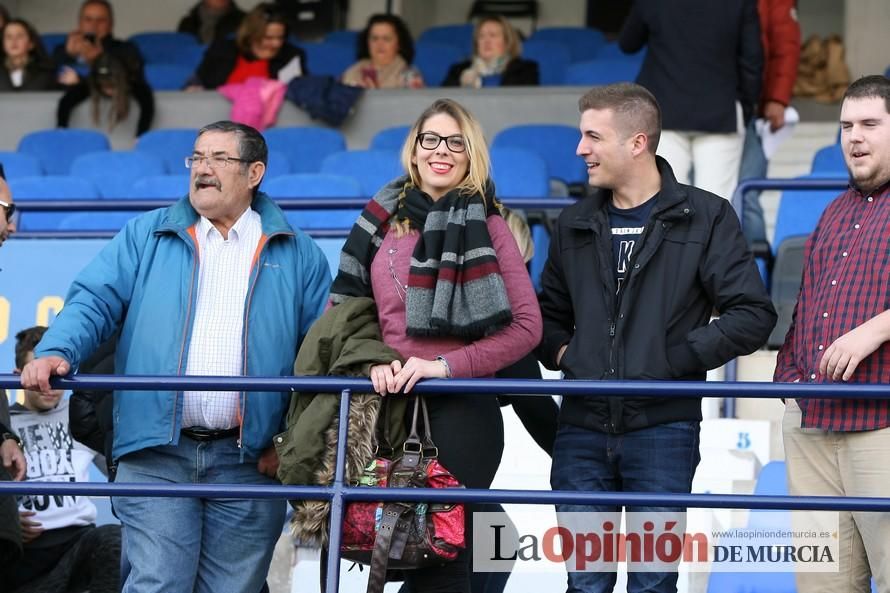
216,343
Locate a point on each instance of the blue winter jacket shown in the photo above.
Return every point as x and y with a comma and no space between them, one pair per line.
145,281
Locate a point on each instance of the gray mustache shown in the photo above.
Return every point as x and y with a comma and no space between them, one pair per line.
207,180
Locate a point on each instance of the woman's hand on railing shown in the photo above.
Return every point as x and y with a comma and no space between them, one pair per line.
416,369
383,377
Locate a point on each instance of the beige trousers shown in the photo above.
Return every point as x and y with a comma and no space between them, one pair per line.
823,463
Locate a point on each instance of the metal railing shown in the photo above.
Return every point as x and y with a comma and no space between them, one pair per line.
339,493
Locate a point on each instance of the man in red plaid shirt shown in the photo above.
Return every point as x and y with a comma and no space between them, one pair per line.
840,332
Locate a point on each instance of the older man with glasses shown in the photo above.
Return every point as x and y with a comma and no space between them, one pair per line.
217,284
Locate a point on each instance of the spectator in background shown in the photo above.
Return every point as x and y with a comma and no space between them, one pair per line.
64,550
780,36
840,333
24,63
704,64
243,307
495,61
210,20
92,38
91,54
260,49
13,468
385,51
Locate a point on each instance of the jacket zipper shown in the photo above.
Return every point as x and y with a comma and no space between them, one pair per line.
257,260
185,329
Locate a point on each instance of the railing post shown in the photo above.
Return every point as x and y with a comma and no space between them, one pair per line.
335,524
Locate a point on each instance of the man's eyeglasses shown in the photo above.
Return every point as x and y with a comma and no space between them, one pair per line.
10,209
214,162
431,141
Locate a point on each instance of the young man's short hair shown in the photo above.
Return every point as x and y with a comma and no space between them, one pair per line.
875,86
26,341
635,108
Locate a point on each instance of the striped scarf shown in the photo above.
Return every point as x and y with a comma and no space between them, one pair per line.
455,286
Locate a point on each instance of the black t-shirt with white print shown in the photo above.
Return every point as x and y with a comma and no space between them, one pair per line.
627,228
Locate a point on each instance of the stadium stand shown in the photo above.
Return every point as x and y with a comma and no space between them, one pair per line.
113,172
371,168
305,147
316,185
56,149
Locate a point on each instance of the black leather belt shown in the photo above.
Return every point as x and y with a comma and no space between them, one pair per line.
198,433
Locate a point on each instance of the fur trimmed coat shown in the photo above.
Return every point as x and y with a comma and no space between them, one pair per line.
346,342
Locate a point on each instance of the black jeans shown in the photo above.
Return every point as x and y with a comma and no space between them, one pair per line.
91,560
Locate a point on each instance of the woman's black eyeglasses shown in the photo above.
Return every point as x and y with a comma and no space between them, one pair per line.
431,141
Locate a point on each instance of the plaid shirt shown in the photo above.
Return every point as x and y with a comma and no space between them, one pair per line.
846,282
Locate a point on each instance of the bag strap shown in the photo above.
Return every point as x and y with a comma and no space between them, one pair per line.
429,447
392,512
384,438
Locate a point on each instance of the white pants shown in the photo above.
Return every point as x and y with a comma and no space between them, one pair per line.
708,161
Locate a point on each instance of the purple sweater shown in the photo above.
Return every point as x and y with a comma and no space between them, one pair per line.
482,358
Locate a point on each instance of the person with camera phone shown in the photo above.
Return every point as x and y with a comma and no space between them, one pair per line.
93,37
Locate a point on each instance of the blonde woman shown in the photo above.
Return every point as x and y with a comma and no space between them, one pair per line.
495,60
452,294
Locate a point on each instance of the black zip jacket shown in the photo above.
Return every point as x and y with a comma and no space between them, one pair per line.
691,260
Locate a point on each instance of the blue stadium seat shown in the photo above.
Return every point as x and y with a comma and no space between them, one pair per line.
113,172
305,146
434,59
611,51
830,159
459,36
277,165
602,71
17,164
345,38
171,144
371,168
50,187
95,221
388,138
167,77
555,143
519,173
316,185
553,58
583,43
52,40
159,187
56,149
799,210
164,47
330,59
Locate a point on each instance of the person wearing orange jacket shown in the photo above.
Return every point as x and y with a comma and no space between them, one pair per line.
780,36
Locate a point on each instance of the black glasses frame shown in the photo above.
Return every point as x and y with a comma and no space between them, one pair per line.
10,209
461,146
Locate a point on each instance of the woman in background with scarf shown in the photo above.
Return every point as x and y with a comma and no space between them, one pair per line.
452,295
496,61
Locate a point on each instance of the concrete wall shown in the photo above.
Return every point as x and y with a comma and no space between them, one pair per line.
495,108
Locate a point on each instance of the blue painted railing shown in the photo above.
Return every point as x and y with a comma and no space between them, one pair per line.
339,493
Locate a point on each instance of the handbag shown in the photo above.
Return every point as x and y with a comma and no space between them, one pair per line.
404,535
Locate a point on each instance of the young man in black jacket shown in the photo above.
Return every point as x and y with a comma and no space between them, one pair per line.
634,274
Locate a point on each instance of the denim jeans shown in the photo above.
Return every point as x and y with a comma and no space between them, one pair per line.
754,166
180,545
661,458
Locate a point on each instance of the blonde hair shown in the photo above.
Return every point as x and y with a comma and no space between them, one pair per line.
478,161
521,233
512,43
